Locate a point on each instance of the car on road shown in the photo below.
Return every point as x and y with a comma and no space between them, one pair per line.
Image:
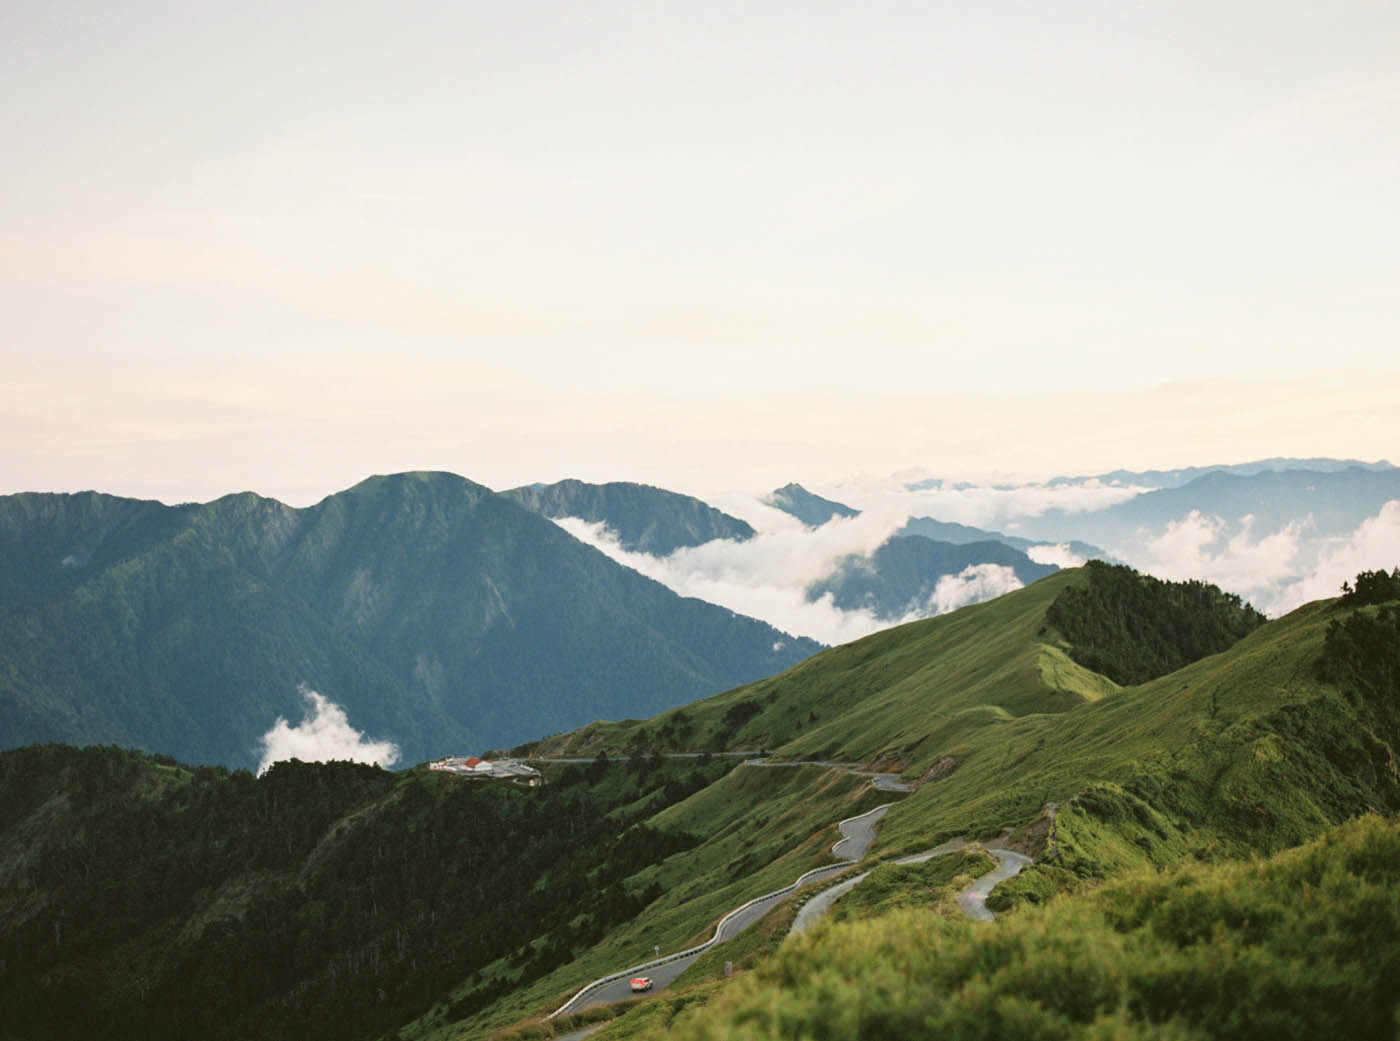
640,983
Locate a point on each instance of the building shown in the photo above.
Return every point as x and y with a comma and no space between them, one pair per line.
500,769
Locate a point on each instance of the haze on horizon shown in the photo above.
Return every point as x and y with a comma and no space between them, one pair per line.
281,247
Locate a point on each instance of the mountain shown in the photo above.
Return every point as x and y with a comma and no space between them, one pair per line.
1228,826
644,519
1159,479
1330,504
143,898
902,576
439,614
961,534
812,510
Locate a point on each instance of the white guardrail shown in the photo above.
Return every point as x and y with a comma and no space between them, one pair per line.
801,881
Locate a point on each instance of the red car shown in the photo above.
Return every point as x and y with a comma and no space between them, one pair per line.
640,983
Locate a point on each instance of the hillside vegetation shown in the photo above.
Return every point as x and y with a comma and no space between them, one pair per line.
142,898
1305,945
1133,628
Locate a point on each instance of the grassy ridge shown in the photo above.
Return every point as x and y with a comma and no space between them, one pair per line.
894,695
1244,752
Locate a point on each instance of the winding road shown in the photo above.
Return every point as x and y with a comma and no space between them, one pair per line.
972,900
857,835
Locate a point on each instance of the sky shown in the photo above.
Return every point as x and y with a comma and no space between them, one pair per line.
280,247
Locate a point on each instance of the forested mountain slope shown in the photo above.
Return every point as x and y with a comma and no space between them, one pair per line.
441,615
141,898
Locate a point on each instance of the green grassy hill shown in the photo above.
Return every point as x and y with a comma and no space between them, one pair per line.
1143,807
899,696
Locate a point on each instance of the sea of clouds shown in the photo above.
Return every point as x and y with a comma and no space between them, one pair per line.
768,576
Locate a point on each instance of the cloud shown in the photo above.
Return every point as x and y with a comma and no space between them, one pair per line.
1199,546
1373,546
766,576
1058,554
972,585
325,734
1276,572
980,505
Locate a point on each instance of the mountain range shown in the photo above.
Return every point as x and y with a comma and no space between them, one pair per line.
1159,479
1322,502
439,614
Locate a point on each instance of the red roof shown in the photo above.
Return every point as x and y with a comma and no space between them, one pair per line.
473,761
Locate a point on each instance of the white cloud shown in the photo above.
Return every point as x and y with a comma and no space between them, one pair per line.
325,734
1374,545
1276,572
980,505
1058,554
1199,546
972,585
766,576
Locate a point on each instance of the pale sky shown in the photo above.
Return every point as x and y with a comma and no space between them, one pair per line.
283,246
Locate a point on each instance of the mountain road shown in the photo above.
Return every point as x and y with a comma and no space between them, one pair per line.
857,835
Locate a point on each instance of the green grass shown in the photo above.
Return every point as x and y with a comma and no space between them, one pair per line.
931,886
1303,946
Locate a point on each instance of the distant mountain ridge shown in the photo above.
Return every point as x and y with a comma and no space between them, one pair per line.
644,519
961,534
1177,478
440,614
902,575
1334,502
811,509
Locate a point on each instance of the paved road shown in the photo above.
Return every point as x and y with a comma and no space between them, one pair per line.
884,782
619,758
972,900
857,835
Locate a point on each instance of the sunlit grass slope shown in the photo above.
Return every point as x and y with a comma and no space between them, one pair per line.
1305,945
895,695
